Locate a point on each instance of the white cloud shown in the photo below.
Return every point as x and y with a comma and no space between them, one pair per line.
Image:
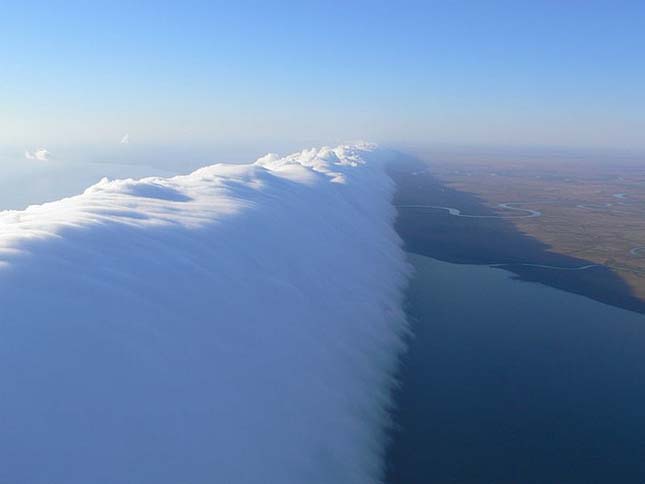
238,324
125,140
40,154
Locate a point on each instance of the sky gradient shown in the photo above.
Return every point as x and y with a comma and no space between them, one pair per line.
286,74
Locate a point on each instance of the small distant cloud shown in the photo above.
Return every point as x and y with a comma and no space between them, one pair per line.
40,154
126,139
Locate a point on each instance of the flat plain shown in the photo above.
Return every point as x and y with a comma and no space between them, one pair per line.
591,211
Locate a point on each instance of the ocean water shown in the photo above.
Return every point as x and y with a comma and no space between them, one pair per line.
515,382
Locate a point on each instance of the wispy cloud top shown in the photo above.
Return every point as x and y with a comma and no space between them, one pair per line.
125,140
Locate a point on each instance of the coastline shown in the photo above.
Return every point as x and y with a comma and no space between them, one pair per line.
506,382
490,240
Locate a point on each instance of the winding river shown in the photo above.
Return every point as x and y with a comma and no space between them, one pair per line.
528,213
636,251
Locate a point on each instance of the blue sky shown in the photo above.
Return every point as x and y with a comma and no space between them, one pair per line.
273,74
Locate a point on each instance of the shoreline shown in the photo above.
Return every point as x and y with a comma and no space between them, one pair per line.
491,240
503,379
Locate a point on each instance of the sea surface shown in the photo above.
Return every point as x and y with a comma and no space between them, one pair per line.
508,381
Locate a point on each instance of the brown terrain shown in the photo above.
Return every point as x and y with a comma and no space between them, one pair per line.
590,211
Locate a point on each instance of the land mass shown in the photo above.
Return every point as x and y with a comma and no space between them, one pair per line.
576,226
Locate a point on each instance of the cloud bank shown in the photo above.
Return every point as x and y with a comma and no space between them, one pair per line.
238,324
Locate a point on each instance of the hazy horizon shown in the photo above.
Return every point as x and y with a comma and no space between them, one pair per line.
208,77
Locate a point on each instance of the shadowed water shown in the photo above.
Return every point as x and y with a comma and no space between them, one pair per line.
490,240
507,380
510,382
